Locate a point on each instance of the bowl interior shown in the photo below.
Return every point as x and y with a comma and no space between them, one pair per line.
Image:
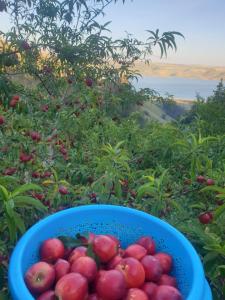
127,224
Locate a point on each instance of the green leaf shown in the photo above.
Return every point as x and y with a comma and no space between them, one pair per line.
12,228
209,138
150,178
85,235
4,193
219,212
21,201
19,223
153,33
209,262
146,189
198,205
9,206
1,278
4,296
118,145
161,50
211,256
70,242
118,189
90,252
64,182
176,205
4,180
164,47
177,33
26,188
214,189
220,196
54,174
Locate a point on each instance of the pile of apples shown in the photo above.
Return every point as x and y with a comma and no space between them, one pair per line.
99,269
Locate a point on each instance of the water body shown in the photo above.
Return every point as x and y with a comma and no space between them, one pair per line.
180,88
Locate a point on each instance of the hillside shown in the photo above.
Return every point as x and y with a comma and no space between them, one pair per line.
185,71
154,112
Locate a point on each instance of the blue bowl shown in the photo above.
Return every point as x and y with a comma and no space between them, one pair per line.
125,223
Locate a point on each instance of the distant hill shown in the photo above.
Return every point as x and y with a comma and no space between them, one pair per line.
185,71
154,112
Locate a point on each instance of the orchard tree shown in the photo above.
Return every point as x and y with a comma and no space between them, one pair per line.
64,38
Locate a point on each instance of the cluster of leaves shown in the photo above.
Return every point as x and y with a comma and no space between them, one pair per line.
210,112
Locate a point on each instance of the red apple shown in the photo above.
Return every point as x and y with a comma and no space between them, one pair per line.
49,295
133,272
72,286
152,267
100,273
40,277
35,136
136,294
62,267
36,174
47,174
165,261
113,238
76,253
12,103
63,190
200,179
16,98
51,250
67,253
63,150
136,251
86,266
10,171
210,181
2,120
93,297
104,247
114,262
89,82
25,157
121,252
38,196
148,244
44,108
205,218
111,285
149,288
166,292
167,280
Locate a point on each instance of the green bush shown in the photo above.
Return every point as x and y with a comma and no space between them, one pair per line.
211,112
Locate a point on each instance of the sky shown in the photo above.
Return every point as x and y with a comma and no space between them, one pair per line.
202,22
